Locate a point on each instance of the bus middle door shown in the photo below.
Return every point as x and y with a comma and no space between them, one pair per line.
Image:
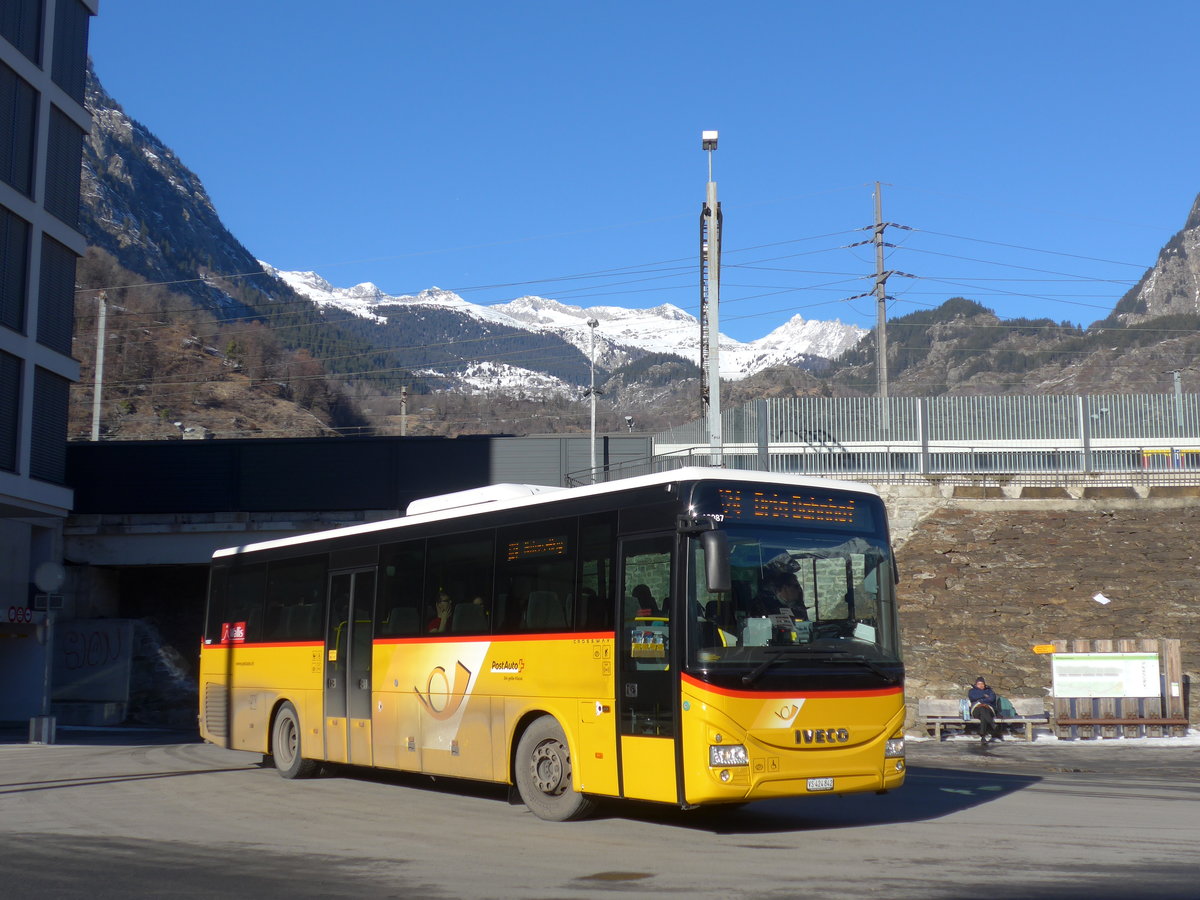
647,690
348,667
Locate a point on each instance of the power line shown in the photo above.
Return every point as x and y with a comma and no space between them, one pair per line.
1033,249
1015,266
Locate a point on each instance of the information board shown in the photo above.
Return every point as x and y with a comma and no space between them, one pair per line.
1106,675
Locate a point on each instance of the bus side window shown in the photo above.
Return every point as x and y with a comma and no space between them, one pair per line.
304,622
536,566
544,611
275,624
597,549
469,618
295,599
461,567
401,584
243,607
401,620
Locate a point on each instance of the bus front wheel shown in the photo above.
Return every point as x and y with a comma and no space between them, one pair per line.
285,745
543,773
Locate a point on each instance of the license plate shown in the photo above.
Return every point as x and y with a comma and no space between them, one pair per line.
820,784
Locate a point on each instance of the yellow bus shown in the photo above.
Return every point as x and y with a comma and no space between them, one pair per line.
700,636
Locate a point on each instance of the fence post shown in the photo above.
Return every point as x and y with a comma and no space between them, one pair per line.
764,450
923,432
1085,431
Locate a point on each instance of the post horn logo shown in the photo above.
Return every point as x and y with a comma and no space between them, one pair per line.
453,698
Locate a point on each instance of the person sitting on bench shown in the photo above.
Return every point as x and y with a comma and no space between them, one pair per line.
983,707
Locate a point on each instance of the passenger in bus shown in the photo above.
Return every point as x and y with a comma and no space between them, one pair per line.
779,592
646,604
441,621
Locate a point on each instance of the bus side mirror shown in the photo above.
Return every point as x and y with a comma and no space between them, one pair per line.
716,560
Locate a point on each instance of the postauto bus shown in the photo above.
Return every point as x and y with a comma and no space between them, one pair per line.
622,640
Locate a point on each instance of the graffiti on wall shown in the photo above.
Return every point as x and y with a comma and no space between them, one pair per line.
92,659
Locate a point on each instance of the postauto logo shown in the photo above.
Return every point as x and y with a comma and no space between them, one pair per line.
508,666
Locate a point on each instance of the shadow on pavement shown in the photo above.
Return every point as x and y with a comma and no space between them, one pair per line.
928,793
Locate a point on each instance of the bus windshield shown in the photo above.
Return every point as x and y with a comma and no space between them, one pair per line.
821,594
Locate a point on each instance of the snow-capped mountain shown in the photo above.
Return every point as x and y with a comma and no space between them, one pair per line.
661,329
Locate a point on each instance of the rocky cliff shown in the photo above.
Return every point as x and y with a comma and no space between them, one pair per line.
1172,286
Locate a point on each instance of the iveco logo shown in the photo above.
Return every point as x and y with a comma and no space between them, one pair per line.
822,736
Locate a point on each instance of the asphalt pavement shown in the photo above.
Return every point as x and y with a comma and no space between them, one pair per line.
1165,756
1170,756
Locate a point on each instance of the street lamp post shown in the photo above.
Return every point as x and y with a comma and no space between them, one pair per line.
710,294
593,324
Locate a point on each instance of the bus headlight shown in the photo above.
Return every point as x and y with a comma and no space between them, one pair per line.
894,748
728,755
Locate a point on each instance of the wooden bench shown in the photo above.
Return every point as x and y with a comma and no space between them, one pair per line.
938,715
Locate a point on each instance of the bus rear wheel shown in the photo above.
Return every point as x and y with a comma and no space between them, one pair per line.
285,745
543,774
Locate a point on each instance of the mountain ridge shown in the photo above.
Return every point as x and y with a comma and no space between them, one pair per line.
532,355
620,332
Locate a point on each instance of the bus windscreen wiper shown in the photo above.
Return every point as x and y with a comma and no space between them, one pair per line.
826,656
776,654
870,664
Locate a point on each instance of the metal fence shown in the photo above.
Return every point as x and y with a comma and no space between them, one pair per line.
928,436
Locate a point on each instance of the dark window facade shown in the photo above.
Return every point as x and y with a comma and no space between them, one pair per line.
21,26
10,410
64,158
18,130
14,269
48,444
57,299
69,66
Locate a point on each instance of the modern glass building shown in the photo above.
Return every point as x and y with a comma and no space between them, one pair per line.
43,60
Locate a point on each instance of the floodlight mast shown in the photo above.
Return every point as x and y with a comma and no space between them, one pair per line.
710,293
593,324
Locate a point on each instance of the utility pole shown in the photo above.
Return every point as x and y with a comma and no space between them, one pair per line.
881,313
710,295
404,411
98,381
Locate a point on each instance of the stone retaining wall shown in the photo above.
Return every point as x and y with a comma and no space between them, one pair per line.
984,581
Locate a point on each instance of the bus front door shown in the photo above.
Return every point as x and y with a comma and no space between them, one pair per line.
647,690
348,667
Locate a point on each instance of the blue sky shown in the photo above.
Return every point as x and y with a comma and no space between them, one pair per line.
498,149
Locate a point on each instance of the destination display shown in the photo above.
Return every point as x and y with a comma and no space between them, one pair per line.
536,548
817,508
